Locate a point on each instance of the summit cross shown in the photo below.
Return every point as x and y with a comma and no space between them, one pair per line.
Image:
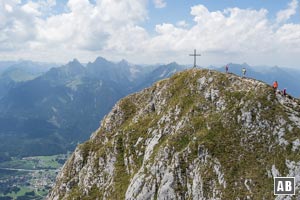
195,55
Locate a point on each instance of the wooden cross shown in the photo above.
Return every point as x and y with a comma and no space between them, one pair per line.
195,55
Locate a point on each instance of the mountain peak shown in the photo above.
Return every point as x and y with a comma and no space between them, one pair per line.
172,63
74,67
101,60
199,134
124,62
74,62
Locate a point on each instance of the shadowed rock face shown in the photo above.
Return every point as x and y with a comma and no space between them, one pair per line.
210,136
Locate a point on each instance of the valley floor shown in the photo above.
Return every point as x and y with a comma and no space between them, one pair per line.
30,177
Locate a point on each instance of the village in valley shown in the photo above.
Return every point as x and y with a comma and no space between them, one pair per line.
29,177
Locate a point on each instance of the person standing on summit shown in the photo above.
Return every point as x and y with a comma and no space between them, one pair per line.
284,92
275,86
244,71
226,68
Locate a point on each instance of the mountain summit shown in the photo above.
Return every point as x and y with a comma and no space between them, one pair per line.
200,134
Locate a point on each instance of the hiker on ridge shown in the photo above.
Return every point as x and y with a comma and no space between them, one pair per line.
275,86
244,71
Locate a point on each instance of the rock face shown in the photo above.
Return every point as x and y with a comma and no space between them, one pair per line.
200,134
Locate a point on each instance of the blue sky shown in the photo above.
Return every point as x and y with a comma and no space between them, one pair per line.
257,32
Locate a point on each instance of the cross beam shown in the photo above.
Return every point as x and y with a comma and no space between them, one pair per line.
195,55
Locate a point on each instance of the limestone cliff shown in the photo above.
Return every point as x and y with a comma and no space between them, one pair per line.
200,134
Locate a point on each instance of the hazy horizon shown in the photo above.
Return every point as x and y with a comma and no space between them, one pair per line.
150,64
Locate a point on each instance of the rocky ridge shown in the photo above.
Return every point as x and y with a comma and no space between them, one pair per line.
200,134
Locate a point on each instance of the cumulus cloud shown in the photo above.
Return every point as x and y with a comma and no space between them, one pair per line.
8,8
51,3
93,26
241,35
31,8
284,15
17,24
232,31
84,29
182,23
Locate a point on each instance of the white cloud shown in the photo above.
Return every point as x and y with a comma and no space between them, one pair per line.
8,8
46,6
160,3
51,3
17,24
284,15
182,23
289,36
92,27
231,35
31,8
231,31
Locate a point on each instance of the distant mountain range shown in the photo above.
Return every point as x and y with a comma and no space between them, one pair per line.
48,109
50,112
12,72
